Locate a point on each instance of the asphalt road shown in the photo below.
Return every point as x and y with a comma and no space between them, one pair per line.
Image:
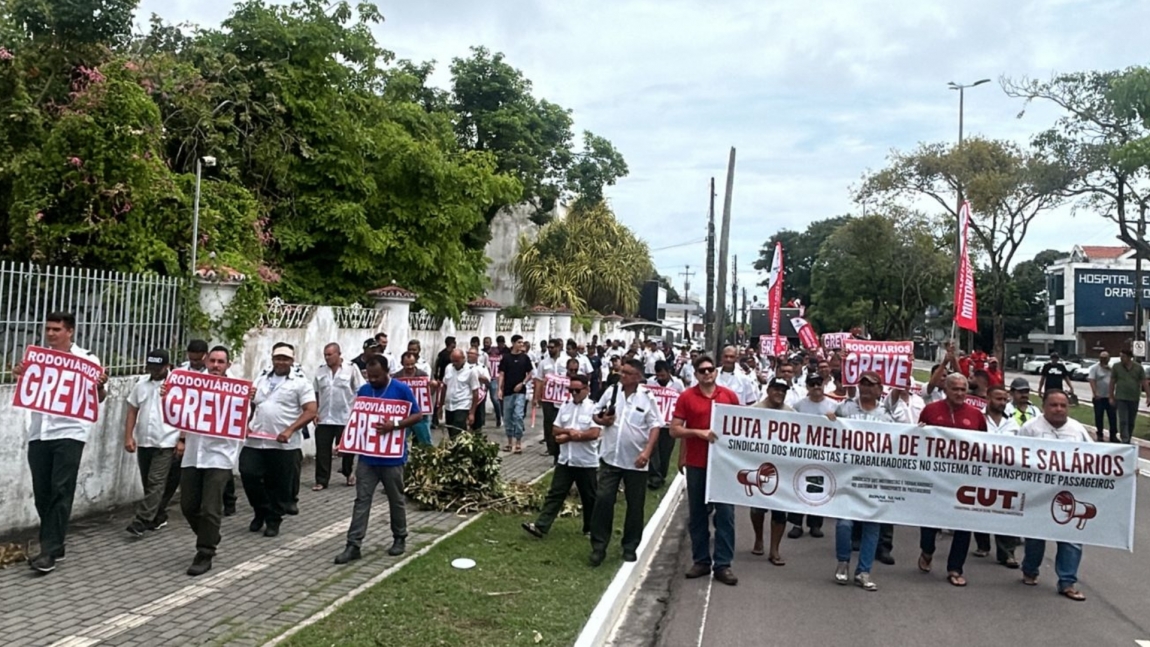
800,604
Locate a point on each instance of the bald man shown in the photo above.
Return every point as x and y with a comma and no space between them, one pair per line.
460,395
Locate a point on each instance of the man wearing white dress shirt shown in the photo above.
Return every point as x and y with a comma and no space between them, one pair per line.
204,477
460,396
732,377
661,459
153,441
578,439
283,405
55,446
336,383
630,420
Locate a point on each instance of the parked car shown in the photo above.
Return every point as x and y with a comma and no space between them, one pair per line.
1082,373
1034,364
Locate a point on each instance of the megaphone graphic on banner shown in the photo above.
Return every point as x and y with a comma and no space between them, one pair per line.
1065,508
766,479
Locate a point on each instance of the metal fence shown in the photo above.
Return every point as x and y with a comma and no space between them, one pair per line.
119,317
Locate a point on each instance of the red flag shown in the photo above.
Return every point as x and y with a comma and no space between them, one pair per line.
807,335
965,308
775,299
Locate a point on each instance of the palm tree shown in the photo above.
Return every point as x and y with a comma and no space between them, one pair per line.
587,261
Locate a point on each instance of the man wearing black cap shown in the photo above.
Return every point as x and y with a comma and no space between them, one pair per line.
370,347
1020,409
154,442
775,399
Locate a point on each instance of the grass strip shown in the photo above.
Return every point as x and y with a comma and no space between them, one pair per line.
523,591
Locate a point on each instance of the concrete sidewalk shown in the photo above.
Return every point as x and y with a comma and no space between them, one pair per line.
115,589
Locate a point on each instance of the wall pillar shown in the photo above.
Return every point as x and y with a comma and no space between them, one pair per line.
396,302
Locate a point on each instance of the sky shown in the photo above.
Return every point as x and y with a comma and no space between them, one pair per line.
812,95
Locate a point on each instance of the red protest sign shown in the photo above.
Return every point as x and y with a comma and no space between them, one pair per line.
361,437
421,388
665,397
834,340
555,389
59,384
893,360
767,345
210,405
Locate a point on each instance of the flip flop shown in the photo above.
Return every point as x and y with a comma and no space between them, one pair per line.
350,481
518,449
981,553
777,561
1010,562
1073,594
317,487
757,551
924,562
1029,581
956,579
507,448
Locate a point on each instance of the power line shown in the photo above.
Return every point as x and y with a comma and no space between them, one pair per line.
690,242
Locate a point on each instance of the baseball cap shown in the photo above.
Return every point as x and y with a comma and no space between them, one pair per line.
370,343
814,378
871,376
284,351
159,357
778,383
1019,384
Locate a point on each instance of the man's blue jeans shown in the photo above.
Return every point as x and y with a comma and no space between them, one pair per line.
496,404
1066,561
513,404
867,546
698,523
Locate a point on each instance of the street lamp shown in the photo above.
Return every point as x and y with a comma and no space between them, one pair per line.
958,230
208,161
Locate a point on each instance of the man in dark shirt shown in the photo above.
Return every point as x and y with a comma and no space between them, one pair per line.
514,372
1055,377
370,347
955,413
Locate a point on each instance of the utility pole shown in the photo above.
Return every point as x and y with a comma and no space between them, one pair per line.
686,274
958,235
744,315
724,237
1139,334
735,296
709,316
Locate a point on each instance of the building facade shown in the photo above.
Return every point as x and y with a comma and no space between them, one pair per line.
1090,298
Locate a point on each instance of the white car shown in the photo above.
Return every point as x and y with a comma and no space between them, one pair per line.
1035,364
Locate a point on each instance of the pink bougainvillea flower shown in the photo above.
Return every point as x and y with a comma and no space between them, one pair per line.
75,161
5,55
39,216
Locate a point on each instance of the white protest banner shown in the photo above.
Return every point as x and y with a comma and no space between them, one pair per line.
834,340
555,389
665,397
421,390
360,435
59,384
205,404
893,360
923,476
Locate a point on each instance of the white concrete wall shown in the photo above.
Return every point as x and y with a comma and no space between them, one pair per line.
506,228
109,476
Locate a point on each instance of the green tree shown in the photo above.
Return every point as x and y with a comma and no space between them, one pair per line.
496,112
598,166
800,251
586,261
882,270
665,283
1008,187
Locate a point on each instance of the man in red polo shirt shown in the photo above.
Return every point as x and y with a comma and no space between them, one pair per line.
691,421
955,413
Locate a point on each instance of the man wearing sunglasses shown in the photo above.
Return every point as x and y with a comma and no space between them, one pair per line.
691,421
578,438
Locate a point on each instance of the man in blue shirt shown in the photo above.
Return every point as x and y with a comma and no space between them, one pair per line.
373,470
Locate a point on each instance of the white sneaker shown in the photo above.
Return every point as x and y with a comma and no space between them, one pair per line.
842,573
863,580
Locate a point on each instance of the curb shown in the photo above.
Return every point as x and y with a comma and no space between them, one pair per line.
601,624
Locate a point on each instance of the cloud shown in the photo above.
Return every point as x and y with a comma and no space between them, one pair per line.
812,94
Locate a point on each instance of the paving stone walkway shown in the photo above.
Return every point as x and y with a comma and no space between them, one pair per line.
114,589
